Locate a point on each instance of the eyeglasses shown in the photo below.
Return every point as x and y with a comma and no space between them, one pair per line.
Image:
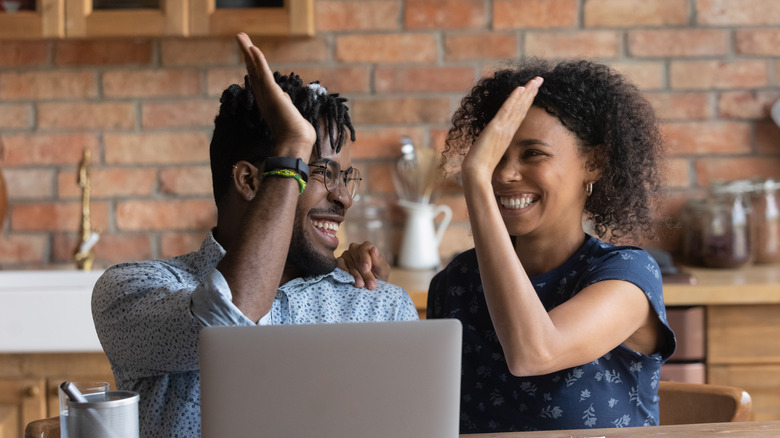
330,171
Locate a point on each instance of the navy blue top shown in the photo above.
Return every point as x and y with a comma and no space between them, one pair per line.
620,389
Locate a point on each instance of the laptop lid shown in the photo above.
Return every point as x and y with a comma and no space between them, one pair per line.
375,379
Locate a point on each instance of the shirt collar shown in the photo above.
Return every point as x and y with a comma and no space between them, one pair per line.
336,275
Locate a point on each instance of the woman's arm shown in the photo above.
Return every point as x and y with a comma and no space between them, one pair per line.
534,341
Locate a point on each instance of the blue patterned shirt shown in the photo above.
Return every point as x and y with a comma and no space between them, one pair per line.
148,316
619,389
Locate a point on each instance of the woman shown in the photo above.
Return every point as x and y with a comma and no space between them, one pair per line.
561,330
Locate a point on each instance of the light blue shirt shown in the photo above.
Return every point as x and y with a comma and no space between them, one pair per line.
148,316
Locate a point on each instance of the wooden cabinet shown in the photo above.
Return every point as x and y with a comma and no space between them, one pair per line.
743,349
29,381
46,21
79,19
21,400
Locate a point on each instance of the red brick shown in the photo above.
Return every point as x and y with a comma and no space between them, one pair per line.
83,115
737,12
681,106
288,50
588,44
24,53
383,48
718,74
379,179
423,79
48,85
218,79
407,110
186,180
735,168
767,138
633,13
110,249
103,52
199,51
445,14
29,183
746,104
342,16
707,138
480,46
677,173
183,113
645,75
758,42
15,116
151,83
512,14
37,149
58,216
181,147
678,42
383,142
174,243
161,215
15,249
109,182
342,80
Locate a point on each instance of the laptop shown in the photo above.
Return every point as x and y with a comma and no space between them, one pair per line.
373,379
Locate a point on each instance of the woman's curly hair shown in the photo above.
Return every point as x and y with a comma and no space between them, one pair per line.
614,123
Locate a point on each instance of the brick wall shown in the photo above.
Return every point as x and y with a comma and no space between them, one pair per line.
145,107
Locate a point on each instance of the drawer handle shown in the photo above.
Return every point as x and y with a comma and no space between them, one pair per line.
32,391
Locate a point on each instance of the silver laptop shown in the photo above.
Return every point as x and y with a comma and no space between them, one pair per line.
374,380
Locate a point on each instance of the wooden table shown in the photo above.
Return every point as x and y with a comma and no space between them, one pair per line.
746,429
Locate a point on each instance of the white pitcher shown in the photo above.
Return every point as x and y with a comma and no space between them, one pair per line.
420,244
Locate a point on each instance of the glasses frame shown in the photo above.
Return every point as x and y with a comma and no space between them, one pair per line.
350,176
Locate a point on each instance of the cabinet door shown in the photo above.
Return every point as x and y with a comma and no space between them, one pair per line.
108,18
762,382
21,401
296,17
46,21
745,334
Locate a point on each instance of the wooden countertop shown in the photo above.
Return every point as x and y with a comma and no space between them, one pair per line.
740,429
755,284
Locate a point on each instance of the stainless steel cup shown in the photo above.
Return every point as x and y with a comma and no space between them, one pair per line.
113,414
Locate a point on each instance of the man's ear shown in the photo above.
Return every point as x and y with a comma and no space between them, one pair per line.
246,179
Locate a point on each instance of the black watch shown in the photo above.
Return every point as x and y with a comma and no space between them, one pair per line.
295,164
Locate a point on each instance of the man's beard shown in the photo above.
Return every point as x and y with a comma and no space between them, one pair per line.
304,258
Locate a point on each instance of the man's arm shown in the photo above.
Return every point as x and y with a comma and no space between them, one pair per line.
254,262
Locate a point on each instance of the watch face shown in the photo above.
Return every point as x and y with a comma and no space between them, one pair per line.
295,164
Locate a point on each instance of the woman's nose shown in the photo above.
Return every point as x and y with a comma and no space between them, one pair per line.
507,171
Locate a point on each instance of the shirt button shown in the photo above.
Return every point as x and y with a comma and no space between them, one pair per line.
279,295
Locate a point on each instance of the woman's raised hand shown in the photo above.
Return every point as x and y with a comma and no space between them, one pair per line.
365,263
483,156
294,135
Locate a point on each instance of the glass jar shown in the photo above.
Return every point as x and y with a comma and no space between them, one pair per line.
765,222
692,218
368,220
725,226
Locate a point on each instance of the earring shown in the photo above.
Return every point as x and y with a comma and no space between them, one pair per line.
589,188
250,196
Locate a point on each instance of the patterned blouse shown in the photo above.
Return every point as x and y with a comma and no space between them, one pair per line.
619,389
148,316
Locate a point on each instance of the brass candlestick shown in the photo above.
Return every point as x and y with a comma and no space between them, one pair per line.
84,254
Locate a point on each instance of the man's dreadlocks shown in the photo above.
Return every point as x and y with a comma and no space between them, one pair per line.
241,134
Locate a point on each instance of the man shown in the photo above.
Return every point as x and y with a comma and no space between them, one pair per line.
283,181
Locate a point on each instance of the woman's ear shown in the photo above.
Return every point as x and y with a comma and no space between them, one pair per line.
246,179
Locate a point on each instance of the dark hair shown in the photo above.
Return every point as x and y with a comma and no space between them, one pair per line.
241,134
614,123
